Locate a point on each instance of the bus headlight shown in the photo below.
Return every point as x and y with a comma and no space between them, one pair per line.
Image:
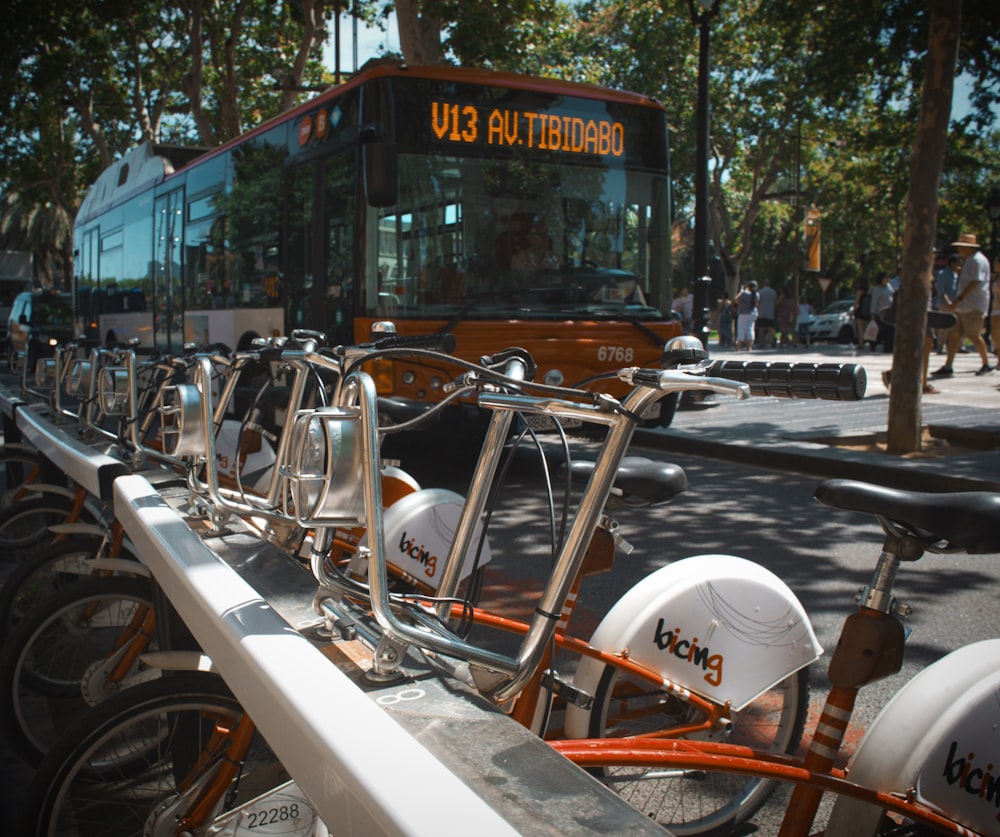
181,427
113,391
78,381
45,372
324,466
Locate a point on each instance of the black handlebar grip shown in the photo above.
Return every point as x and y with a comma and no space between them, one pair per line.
269,353
499,360
828,381
441,342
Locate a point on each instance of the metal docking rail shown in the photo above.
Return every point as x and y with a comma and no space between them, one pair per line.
422,755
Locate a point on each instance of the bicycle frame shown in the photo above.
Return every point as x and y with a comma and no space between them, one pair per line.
500,677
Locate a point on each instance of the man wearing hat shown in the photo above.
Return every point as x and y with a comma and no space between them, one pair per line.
972,299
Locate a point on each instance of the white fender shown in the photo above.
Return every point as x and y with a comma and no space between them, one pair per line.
940,734
93,529
50,488
178,661
419,529
126,566
721,626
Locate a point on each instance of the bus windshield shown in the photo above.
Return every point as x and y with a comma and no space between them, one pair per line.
494,239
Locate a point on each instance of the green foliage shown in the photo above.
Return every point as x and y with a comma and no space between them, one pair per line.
810,104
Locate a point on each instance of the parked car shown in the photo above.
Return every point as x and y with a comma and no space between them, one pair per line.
9,289
835,322
38,321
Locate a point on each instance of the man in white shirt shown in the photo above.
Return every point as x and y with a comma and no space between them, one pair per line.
972,299
767,316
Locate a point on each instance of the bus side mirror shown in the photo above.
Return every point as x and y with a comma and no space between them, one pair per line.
381,173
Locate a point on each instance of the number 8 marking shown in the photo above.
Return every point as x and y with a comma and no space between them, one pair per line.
400,697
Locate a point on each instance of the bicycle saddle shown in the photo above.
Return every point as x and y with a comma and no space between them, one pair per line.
966,520
639,481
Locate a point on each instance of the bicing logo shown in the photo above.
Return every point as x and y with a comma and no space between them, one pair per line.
688,650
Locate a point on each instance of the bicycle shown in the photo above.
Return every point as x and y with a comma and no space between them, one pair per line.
343,616
51,631
898,766
905,519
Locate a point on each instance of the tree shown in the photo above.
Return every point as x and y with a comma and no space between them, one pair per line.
904,424
81,84
435,31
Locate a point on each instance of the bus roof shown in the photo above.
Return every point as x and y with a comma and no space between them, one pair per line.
138,169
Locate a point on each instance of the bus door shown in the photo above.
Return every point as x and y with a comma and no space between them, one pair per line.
168,293
342,266
86,284
320,263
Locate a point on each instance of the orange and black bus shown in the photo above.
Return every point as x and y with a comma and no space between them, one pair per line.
508,210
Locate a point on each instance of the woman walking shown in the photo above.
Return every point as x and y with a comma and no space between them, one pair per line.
746,316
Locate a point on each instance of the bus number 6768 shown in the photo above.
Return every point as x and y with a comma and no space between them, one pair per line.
616,354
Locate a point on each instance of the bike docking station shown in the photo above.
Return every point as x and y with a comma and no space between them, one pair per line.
423,754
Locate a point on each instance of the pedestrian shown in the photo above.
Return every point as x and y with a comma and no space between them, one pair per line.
767,300
803,320
684,306
935,320
882,295
746,316
970,306
724,309
862,309
944,285
784,311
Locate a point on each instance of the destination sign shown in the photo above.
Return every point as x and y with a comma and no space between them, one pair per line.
511,127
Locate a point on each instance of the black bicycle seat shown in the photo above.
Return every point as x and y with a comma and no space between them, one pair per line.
965,520
639,481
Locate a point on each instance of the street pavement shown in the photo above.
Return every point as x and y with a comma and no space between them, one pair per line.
838,439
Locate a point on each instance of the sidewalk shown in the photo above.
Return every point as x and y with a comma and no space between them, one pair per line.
835,439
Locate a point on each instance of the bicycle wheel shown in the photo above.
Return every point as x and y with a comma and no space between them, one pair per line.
55,663
19,467
24,526
44,571
695,802
120,768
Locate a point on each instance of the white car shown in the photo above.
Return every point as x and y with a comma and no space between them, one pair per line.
835,322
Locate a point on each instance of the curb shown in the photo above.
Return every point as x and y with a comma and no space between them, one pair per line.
822,461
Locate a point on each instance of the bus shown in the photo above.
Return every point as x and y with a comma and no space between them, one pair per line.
507,210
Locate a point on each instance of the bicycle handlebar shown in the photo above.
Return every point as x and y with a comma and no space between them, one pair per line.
827,381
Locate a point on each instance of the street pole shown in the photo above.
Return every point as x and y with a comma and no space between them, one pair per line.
702,283
993,211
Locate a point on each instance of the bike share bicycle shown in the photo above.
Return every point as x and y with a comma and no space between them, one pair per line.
431,632
89,640
308,509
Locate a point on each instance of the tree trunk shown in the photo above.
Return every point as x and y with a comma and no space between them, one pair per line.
904,421
419,33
